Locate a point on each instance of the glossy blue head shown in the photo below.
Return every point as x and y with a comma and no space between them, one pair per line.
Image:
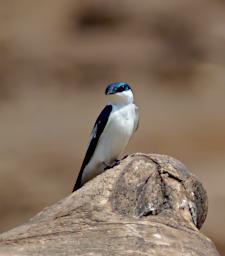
119,93
117,87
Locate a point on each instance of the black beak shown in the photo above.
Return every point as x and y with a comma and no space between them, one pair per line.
109,90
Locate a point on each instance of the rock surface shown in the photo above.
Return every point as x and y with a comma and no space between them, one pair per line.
147,205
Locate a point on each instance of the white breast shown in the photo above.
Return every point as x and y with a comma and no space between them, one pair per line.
118,132
115,137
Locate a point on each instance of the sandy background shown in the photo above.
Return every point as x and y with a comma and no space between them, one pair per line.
57,58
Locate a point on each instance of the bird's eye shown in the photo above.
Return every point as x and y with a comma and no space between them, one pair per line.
120,89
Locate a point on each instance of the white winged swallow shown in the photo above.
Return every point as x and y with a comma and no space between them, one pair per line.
111,133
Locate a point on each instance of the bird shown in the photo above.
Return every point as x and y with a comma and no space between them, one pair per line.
111,133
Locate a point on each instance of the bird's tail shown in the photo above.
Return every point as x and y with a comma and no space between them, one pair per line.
78,183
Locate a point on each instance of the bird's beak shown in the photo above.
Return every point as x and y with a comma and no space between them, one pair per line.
109,91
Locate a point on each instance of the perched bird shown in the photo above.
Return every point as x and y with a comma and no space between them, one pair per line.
111,133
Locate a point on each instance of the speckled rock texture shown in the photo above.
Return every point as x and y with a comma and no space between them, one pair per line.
147,205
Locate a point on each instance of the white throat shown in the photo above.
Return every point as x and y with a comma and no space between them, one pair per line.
121,98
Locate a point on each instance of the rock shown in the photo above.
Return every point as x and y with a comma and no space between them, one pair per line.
147,205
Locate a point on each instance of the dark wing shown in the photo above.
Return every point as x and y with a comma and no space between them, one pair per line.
96,133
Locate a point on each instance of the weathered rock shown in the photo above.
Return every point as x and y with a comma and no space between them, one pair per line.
147,205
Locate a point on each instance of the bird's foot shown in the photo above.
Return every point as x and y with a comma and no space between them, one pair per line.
116,162
124,157
107,166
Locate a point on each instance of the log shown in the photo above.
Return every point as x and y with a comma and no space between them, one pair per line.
147,205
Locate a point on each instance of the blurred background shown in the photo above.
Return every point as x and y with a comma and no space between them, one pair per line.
57,58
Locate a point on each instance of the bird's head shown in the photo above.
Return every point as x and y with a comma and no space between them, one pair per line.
119,93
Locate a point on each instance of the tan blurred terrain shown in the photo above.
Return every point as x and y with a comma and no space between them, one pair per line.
56,59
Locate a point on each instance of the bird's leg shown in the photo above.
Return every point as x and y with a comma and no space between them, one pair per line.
108,166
